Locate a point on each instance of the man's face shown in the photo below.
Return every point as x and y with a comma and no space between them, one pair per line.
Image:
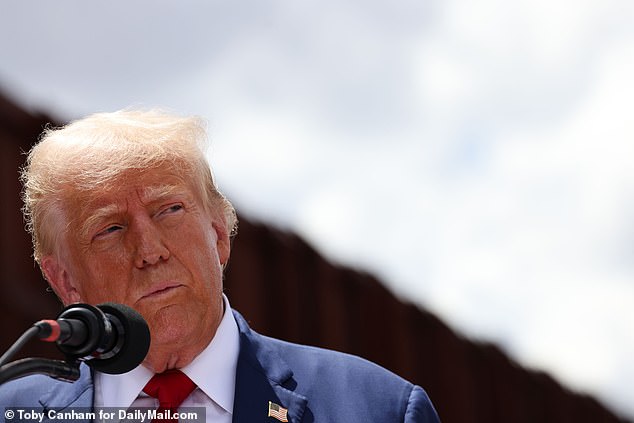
149,244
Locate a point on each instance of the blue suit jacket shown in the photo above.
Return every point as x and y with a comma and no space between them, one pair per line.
315,385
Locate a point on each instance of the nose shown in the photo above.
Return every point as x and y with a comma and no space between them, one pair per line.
150,248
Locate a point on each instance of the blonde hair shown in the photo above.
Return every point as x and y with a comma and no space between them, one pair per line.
90,154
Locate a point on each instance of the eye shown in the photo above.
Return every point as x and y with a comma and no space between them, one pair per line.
171,209
108,230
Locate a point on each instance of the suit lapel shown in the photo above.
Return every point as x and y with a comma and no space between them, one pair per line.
262,376
64,396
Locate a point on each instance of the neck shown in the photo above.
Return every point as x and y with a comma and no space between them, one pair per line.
158,363
164,356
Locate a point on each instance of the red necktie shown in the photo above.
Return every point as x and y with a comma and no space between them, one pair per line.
170,388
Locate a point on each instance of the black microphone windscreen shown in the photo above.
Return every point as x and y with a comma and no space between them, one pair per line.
136,340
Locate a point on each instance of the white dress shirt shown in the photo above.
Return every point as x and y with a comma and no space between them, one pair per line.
213,371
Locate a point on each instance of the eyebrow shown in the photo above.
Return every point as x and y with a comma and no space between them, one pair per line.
102,213
156,193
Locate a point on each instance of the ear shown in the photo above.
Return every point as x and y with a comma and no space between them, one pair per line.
59,279
223,244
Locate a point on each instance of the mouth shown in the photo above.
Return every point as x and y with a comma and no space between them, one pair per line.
161,290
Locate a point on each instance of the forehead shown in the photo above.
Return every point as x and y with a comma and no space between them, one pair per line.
146,185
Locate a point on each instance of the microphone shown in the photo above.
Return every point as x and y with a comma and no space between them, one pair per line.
111,338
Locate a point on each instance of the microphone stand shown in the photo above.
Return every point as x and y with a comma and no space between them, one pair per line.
63,370
66,370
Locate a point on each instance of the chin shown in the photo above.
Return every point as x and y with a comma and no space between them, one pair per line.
174,330
172,337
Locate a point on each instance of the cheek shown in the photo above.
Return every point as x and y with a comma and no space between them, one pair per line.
205,267
102,281
201,259
198,244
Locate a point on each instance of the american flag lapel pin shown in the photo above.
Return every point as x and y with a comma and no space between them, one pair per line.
278,412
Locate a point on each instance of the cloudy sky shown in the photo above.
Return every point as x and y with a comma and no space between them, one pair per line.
474,155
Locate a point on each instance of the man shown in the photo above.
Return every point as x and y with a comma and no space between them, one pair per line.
123,208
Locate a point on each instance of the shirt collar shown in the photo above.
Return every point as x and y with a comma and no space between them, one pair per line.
213,371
